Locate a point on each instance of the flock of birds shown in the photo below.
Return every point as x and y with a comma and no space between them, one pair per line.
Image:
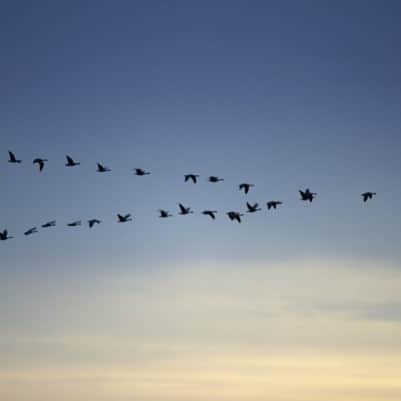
306,195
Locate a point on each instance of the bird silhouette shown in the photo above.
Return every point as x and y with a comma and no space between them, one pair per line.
307,195
368,195
40,162
75,223
101,168
184,210
32,230
71,162
164,213
124,218
245,187
49,224
213,178
12,158
141,172
92,222
211,213
273,204
193,177
252,208
4,235
235,216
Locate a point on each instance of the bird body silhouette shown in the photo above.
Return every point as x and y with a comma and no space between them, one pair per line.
184,210
124,218
4,235
367,195
307,195
40,162
92,222
49,224
71,162
193,177
211,213
273,204
245,187
141,172
12,158
213,178
252,208
32,230
101,168
75,223
234,216
164,213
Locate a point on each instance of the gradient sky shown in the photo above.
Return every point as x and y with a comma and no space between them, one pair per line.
299,304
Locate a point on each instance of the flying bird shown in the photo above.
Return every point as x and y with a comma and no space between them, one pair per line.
4,235
184,210
213,178
92,222
12,158
49,224
75,223
101,168
141,172
307,195
124,218
40,162
245,187
252,208
71,162
211,213
368,195
193,177
31,231
235,216
164,213
273,204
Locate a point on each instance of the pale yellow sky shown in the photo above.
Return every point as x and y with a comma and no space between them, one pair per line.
308,330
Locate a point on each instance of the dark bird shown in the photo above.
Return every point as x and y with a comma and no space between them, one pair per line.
40,163
124,218
273,204
49,224
101,168
4,235
246,187
211,213
307,195
235,216
74,223
184,210
252,208
368,195
141,172
71,162
193,177
32,230
213,178
92,222
164,213
12,158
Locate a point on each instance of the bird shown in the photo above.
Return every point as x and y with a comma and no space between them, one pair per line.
74,223
184,210
141,172
71,162
124,218
101,168
92,222
49,224
273,204
235,216
211,213
31,231
40,162
252,208
213,178
367,195
4,235
164,213
307,195
246,187
12,158
193,177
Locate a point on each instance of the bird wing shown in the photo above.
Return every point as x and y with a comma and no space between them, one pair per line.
69,159
12,156
182,208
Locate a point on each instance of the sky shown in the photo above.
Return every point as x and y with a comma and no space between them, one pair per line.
293,304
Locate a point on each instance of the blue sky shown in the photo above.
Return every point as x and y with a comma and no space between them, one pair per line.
285,95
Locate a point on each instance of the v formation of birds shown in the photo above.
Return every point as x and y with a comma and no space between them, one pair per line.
306,195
